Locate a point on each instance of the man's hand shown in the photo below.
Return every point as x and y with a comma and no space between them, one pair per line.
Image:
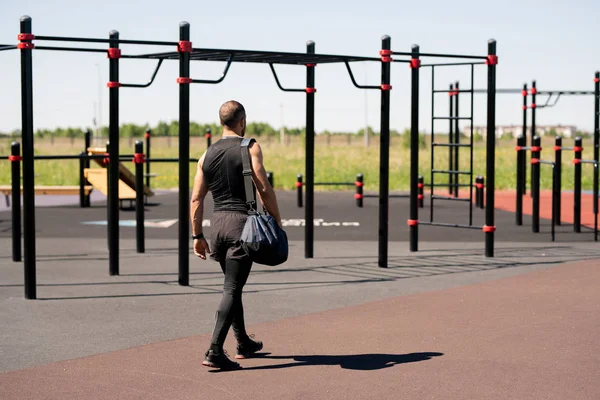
201,248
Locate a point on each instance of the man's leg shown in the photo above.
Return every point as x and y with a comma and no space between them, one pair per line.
238,325
236,275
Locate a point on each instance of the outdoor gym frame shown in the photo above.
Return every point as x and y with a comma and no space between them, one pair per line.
185,53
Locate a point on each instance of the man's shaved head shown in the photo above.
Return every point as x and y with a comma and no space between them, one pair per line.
231,113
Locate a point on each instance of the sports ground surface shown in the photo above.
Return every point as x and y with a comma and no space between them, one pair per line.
443,322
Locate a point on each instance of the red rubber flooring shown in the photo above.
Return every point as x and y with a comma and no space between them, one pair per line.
532,336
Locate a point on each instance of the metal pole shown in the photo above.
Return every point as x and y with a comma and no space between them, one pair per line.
414,150
535,182
558,173
384,151
456,140
577,189
451,139
359,190
310,156
82,180
596,149
421,186
490,228
208,136
138,158
555,196
184,153
26,47
521,142
15,158
524,158
113,165
299,185
86,164
147,137
533,124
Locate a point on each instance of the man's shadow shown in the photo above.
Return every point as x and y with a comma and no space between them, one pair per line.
362,362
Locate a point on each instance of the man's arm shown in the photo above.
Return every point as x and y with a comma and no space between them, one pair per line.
263,187
199,192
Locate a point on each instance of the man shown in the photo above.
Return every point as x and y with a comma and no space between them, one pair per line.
220,172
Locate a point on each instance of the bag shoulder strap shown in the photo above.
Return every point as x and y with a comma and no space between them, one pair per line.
247,171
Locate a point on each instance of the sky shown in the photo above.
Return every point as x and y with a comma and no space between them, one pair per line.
552,42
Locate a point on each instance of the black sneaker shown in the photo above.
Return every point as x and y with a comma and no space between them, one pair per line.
220,361
247,349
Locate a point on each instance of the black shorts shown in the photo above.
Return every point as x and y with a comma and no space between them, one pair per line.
226,230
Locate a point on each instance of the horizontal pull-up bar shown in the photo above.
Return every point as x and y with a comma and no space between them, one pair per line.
7,47
134,85
354,80
279,83
77,49
399,53
229,60
98,40
452,64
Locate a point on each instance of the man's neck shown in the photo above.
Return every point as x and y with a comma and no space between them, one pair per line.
228,132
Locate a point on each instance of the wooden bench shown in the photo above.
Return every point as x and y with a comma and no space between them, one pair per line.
6,190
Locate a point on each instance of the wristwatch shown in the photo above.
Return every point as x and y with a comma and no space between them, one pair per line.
198,236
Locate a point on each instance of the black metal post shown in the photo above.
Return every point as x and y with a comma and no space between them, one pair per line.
522,178
29,251
299,190
521,142
482,192
113,165
138,158
359,190
558,173
15,158
490,228
184,154
208,136
82,161
414,150
86,164
384,151
451,139
533,122
555,197
477,191
309,216
147,136
535,183
270,179
421,186
577,185
596,149
456,139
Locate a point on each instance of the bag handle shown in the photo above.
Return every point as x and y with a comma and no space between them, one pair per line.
247,171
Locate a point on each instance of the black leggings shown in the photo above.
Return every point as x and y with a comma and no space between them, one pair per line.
231,310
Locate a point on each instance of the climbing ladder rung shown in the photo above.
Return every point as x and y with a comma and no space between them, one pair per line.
436,197
451,144
445,171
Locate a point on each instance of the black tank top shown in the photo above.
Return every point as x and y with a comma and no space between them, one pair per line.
222,168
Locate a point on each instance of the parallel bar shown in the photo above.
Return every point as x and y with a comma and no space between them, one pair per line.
70,157
309,211
444,171
15,151
170,160
548,162
29,249
384,158
436,197
490,151
145,85
334,184
451,144
184,161
440,55
75,49
113,166
354,80
442,224
414,150
98,40
444,185
453,118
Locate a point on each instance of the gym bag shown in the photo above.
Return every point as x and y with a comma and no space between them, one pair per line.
264,241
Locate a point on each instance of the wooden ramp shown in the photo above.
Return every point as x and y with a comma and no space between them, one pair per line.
125,175
99,179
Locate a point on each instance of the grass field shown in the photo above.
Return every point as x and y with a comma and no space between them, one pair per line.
336,159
